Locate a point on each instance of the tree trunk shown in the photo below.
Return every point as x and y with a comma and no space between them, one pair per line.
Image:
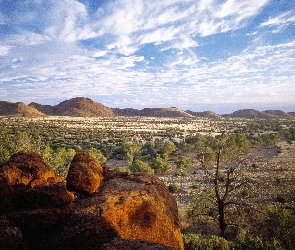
221,218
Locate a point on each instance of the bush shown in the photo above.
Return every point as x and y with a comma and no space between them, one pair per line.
196,186
200,242
121,169
139,166
255,165
281,198
173,188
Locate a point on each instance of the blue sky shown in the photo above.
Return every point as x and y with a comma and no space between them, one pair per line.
198,55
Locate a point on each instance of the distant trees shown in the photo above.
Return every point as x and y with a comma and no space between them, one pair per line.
160,165
182,162
141,167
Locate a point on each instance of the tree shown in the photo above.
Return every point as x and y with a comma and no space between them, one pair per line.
167,148
141,167
97,155
182,162
227,184
160,165
131,151
6,148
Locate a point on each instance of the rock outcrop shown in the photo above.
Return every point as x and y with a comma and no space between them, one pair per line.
85,175
111,210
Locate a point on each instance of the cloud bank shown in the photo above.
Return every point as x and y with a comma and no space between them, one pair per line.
134,53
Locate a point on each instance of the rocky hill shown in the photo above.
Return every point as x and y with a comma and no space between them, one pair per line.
85,107
79,106
152,112
277,114
18,109
252,113
97,208
207,114
246,113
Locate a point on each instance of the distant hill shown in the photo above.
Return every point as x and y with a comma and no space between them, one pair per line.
152,112
207,114
18,109
252,113
79,106
277,114
85,107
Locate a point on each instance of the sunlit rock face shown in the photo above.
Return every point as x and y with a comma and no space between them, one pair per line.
110,210
85,175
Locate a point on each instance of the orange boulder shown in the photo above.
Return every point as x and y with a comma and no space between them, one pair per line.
85,174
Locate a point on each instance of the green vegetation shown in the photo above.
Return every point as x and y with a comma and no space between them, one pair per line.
174,188
222,151
200,242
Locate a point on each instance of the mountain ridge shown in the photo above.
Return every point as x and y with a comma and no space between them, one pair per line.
85,107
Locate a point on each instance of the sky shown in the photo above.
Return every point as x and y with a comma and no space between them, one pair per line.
192,54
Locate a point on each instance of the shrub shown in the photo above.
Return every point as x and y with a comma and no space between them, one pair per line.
255,165
279,181
281,198
200,242
121,169
196,186
173,188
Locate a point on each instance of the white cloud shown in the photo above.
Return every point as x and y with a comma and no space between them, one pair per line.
4,50
281,21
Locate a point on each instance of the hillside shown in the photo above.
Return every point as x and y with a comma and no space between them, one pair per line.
152,112
85,107
207,114
252,113
79,106
277,114
18,109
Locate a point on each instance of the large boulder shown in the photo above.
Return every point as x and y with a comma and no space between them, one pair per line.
111,211
85,175
31,194
128,207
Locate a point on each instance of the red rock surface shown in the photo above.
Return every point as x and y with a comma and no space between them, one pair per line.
30,192
119,210
85,174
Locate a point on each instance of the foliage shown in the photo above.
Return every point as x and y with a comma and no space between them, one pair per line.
167,148
174,188
277,224
160,165
139,166
121,169
200,242
131,151
182,162
97,155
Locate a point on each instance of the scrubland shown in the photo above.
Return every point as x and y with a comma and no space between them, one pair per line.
182,152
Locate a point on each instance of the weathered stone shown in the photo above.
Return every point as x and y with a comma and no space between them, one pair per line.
129,207
10,237
119,211
85,174
31,193
140,207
